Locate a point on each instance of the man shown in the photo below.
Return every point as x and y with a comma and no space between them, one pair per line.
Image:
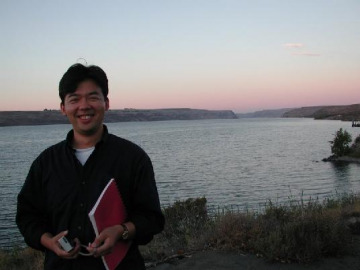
66,179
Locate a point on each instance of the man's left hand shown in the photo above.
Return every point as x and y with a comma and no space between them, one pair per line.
106,241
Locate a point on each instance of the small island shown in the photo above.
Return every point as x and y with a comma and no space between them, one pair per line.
341,149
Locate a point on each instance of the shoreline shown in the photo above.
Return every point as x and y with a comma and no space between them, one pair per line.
345,159
53,117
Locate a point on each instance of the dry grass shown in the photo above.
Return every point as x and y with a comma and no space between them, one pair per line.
300,232
296,231
21,259
186,229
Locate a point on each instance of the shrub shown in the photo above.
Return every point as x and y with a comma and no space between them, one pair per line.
234,231
293,232
355,148
186,227
340,144
302,234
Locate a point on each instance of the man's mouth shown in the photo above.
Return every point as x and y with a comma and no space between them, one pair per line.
85,117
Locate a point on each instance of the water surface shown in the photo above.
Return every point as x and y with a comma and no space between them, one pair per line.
242,162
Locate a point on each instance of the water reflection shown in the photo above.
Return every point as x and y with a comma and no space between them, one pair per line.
342,176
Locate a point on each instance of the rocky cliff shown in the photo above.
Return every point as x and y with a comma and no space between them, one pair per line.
49,117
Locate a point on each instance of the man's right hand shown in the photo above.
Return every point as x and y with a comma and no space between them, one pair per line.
51,242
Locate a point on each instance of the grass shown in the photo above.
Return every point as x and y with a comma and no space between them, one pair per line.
21,259
296,231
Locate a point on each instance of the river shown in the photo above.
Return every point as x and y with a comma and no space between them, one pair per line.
238,163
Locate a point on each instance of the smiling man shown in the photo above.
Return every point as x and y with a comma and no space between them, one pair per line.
85,109
66,179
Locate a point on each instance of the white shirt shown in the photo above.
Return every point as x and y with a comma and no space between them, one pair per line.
83,154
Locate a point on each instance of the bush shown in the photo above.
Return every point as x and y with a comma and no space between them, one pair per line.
304,233
293,232
355,148
340,144
186,220
235,231
186,227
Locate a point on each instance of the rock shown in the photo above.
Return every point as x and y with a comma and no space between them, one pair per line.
334,158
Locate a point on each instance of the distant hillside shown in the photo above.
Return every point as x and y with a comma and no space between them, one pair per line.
302,112
264,113
49,117
344,113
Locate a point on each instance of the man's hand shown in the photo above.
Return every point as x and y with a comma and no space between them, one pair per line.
51,242
106,241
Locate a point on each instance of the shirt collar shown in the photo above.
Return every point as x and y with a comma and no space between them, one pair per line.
70,137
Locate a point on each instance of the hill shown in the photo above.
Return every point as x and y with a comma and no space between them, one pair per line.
50,117
264,113
344,113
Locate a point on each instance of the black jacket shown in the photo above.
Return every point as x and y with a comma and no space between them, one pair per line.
59,193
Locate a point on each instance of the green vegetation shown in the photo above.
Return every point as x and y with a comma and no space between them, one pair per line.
296,231
340,146
355,148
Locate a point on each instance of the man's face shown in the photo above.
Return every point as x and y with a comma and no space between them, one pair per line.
85,108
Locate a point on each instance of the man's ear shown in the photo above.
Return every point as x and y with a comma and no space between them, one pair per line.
62,108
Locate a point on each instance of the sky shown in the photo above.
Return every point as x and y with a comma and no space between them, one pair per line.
239,55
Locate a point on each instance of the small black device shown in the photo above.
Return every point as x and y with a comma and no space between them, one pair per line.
65,244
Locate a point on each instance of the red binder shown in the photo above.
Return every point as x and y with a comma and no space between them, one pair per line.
109,210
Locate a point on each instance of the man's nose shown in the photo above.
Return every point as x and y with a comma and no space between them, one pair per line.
84,103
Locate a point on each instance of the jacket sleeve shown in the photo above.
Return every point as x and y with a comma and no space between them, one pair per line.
30,216
146,212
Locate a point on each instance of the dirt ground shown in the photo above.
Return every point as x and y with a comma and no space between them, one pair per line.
212,260
216,260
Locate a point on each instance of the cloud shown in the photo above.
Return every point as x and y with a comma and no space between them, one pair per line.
298,49
294,45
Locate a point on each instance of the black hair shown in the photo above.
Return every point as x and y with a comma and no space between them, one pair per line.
78,73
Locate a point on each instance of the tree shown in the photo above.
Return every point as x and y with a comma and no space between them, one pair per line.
340,144
355,148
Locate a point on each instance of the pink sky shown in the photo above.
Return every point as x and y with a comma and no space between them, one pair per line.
245,96
238,55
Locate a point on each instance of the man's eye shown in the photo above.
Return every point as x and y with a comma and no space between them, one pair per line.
94,98
73,100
